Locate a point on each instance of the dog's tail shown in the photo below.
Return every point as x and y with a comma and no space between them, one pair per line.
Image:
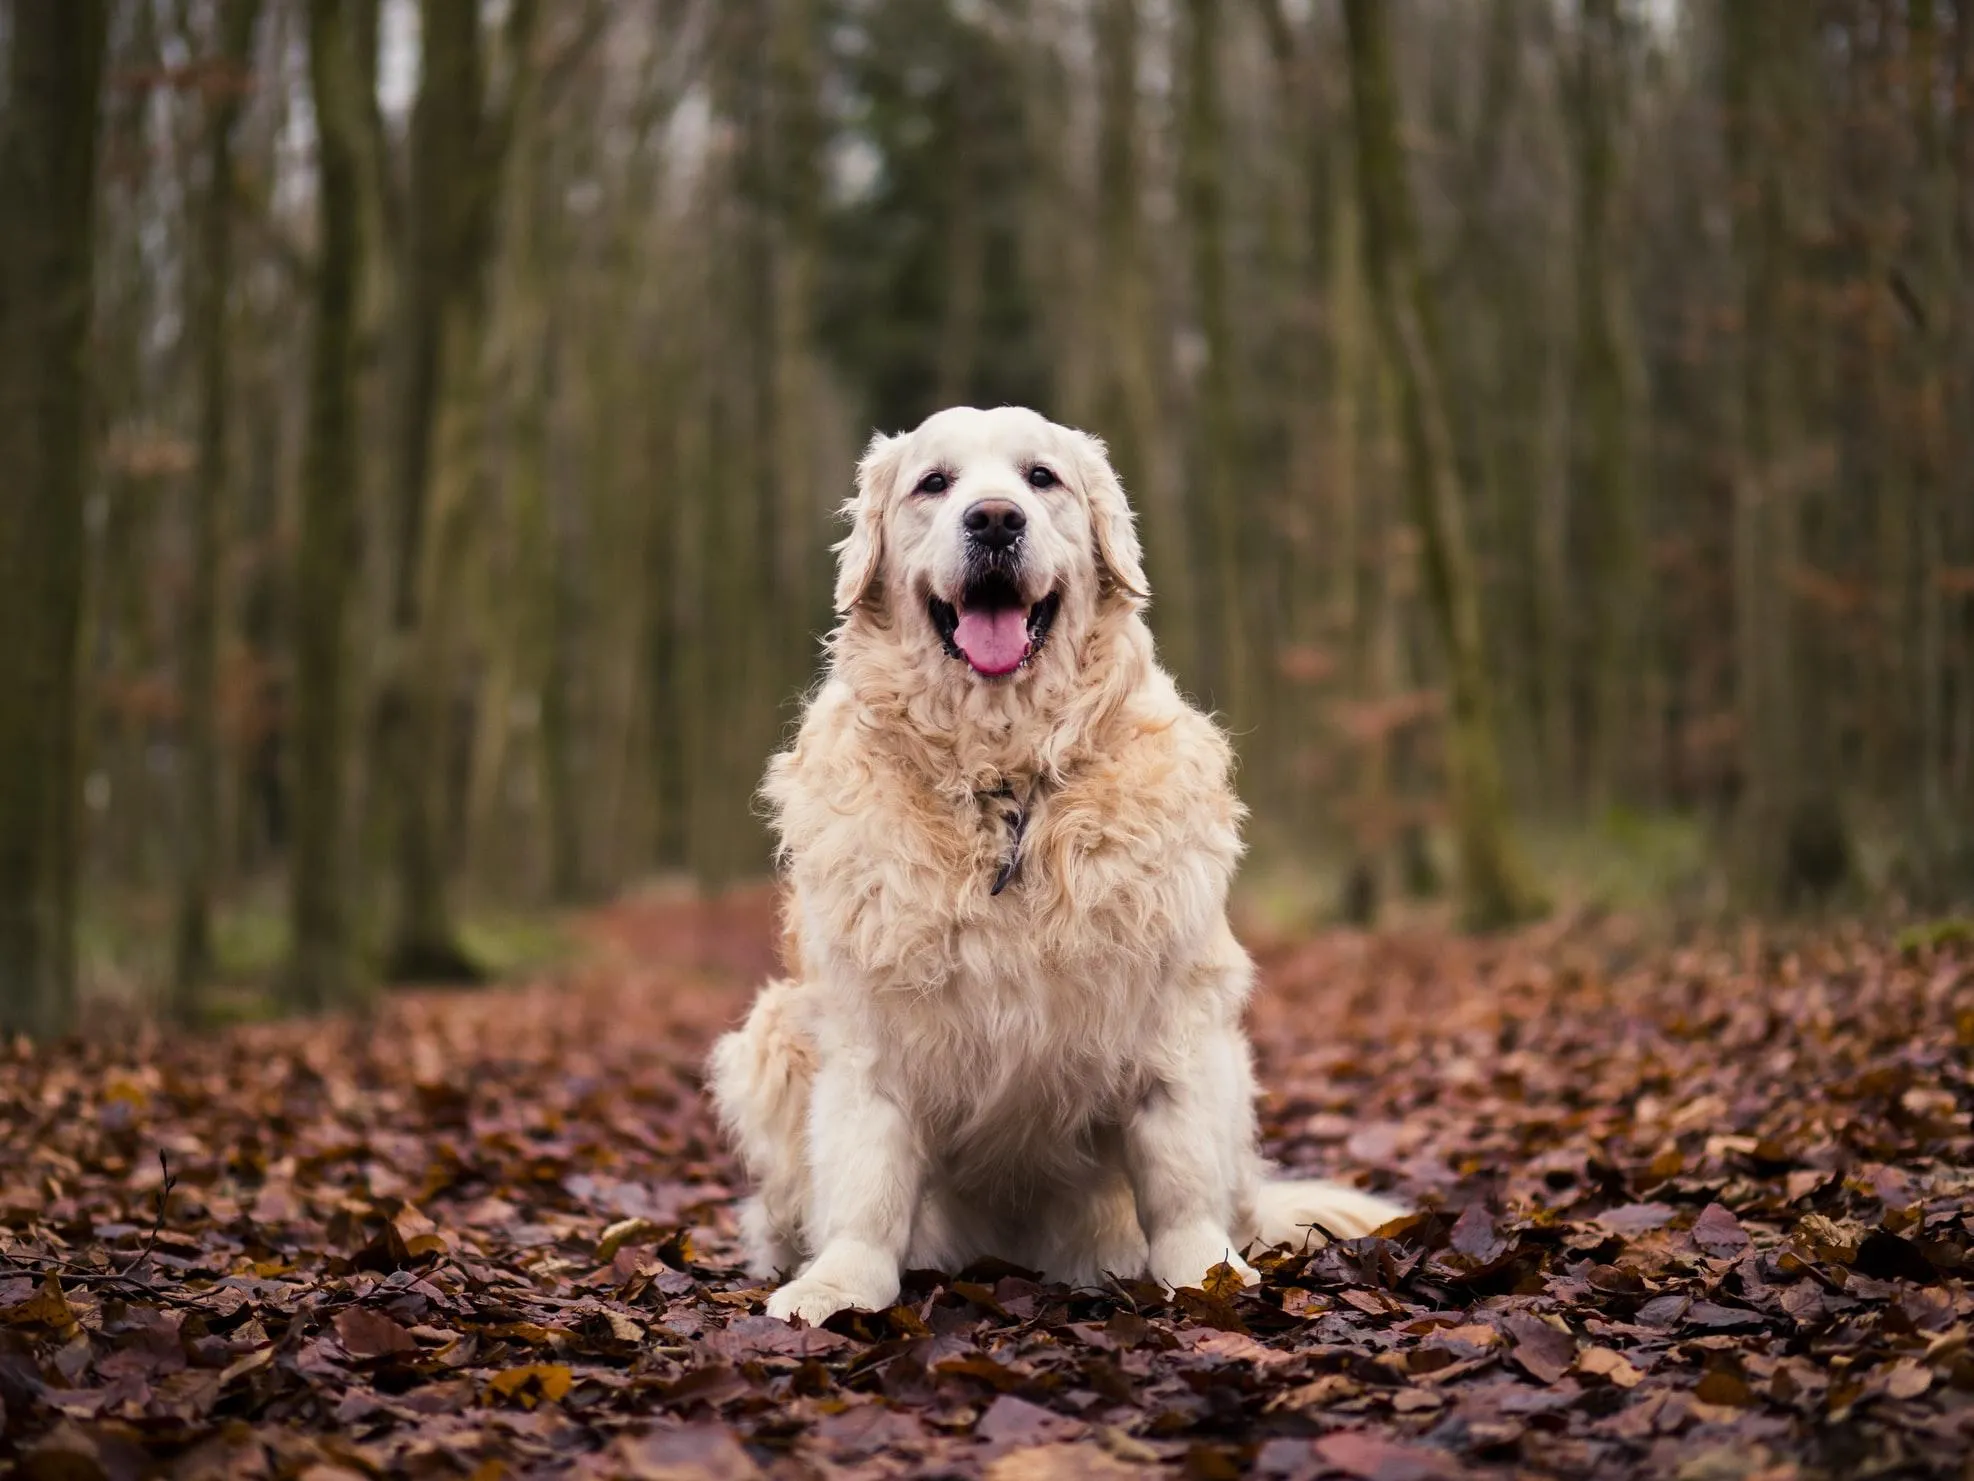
1303,1211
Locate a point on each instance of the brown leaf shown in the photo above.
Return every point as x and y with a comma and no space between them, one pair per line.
1540,1349
1059,1462
533,1383
623,1232
365,1333
1475,1236
769,1337
697,1452
1718,1232
1630,1220
47,1307
1223,1282
241,1366
1603,1362
1906,1379
1724,1385
1371,1457
1012,1421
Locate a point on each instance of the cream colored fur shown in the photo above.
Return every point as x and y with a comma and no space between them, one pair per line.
1057,1075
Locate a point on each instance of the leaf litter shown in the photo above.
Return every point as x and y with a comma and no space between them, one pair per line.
1696,1211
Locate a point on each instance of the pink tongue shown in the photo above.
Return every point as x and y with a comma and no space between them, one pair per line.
994,641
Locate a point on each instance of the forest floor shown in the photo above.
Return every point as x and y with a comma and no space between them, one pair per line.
1703,1212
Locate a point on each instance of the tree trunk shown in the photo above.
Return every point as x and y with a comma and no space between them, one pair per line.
1217,495
1495,885
48,136
321,973
1605,485
1788,838
1960,492
1935,272
198,828
1127,393
459,151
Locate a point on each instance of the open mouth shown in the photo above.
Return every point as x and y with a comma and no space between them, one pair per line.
992,630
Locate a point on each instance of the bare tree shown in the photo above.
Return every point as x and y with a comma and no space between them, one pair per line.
322,967
48,136
1494,881
199,824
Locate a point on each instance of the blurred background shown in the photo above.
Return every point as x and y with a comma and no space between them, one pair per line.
421,423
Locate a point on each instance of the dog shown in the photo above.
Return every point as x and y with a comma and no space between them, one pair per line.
1012,1024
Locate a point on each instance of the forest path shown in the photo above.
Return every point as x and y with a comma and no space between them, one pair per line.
489,1233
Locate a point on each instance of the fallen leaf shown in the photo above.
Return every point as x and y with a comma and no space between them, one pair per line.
1718,1232
1542,1351
1475,1236
696,1452
365,1333
1013,1421
623,1232
533,1383
1372,1457
1059,1462
1630,1220
1603,1362
47,1307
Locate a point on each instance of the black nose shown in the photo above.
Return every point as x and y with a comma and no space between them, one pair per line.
994,523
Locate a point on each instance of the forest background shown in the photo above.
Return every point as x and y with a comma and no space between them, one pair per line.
421,426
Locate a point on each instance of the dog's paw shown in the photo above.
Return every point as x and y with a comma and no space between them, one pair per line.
815,1301
1183,1258
846,1277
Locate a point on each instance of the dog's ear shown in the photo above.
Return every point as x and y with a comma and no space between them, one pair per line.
861,553
1119,558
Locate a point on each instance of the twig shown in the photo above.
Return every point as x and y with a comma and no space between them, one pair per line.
157,1224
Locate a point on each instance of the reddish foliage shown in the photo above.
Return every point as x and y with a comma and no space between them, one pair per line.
1690,1212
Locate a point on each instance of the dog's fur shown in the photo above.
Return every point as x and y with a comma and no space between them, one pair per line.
1056,1074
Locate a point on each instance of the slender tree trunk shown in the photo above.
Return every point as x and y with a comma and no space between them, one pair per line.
458,169
1934,269
198,831
1605,482
48,136
1495,884
540,633
1790,841
1218,495
322,970
1127,392
1960,488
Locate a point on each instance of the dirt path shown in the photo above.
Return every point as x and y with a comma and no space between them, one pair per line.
1707,1215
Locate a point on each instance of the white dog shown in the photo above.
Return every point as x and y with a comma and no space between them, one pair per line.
1013,1022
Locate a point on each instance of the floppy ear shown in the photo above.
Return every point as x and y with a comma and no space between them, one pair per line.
1118,556
861,553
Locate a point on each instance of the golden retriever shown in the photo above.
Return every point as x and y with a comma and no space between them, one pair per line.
1013,1025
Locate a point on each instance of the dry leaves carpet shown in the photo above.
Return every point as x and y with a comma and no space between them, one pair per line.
1698,1213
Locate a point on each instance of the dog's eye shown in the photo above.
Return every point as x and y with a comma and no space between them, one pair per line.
1041,478
933,483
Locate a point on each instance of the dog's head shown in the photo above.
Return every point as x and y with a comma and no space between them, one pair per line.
985,535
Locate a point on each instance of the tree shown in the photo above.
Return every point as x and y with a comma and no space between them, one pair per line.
1789,839
1606,479
459,148
1494,881
1127,399
321,970
1219,499
199,823
48,136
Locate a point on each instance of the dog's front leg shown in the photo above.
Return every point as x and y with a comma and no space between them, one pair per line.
865,1169
1185,1149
